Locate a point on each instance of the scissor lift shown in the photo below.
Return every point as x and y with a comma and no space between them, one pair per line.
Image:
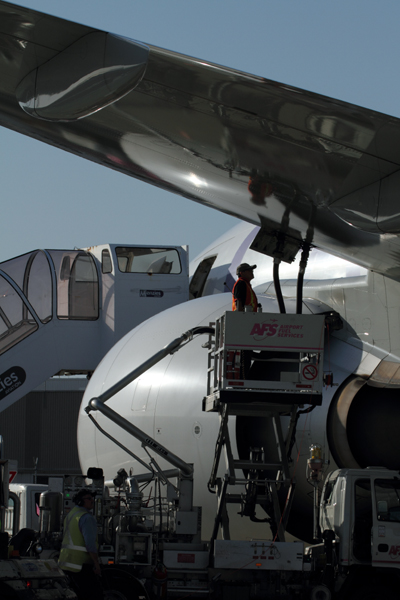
266,365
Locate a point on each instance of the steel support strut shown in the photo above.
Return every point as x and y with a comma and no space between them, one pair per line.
146,440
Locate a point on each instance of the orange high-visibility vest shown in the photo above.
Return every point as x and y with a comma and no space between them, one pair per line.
251,298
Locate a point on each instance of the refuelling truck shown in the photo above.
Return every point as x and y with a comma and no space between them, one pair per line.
149,530
149,546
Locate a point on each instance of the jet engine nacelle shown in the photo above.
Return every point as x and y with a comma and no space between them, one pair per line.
166,402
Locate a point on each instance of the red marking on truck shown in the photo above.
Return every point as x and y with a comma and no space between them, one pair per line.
278,347
387,562
186,558
264,329
394,551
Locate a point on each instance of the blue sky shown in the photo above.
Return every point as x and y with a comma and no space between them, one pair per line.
348,50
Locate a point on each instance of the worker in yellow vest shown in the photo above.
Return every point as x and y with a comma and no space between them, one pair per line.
79,555
242,292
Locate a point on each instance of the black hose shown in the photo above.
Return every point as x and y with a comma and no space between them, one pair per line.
300,278
159,504
202,329
299,295
278,289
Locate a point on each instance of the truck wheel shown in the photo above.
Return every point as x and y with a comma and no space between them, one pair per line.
120,584
320,592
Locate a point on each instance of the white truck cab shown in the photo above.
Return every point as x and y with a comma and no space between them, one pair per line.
362,507
28,494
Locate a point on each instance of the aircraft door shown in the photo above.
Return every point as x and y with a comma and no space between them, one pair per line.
148,280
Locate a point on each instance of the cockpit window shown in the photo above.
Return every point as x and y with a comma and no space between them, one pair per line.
148,260
199,278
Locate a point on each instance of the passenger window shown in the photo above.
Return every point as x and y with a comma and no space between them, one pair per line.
106,263
65,272
38,286
32,273
83,292
16,322
77,285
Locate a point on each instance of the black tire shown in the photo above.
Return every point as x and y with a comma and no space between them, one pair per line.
119,584
321,592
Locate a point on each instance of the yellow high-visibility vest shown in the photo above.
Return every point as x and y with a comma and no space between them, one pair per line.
73,550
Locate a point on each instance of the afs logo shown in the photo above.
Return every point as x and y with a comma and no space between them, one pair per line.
394,552
261,331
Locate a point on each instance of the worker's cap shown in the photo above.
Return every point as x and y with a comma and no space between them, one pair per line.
245,267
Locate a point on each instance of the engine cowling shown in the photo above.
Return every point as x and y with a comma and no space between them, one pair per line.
363,425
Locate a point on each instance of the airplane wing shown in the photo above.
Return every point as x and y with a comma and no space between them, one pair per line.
262,151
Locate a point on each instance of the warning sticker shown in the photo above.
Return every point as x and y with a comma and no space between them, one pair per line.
310,372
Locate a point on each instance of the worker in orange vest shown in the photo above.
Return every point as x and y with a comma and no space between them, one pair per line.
242,292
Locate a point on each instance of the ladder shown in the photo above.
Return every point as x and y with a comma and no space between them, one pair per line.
261,487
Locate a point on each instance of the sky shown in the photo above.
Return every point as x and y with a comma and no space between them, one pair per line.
345,49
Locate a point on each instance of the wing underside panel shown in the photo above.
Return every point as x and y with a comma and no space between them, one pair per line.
273,155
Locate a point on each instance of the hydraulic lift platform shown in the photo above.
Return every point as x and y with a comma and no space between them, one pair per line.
267,365
264,358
